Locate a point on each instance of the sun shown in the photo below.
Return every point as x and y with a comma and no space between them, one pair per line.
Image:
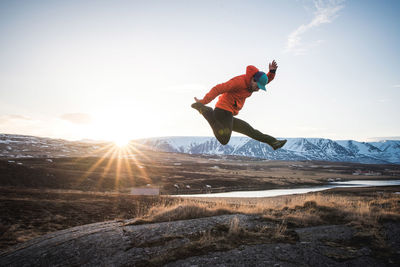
122,142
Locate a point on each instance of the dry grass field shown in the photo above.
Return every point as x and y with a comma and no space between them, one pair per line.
29,213
364,209
38,196
191,173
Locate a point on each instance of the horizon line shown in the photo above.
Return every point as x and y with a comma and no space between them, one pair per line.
377,139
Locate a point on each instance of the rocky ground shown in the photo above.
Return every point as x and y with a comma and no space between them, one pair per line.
226,240
62,211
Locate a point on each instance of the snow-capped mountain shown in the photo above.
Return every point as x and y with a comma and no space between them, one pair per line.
387,151
295,149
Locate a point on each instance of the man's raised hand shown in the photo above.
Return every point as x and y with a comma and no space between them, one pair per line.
273,65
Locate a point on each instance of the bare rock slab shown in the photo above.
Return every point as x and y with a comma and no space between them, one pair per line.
112,243
121,243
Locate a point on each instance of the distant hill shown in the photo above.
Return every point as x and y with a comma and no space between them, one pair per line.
24,146
319,149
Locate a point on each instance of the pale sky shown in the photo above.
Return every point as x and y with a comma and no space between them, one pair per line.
130,69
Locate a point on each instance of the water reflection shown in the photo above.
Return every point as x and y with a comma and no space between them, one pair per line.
282,192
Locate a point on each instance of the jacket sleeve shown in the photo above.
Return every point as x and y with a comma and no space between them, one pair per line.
218,90
271,76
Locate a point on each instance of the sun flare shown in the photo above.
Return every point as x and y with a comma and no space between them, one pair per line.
121,142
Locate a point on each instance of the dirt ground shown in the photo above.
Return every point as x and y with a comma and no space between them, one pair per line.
29,213
175,173
39,195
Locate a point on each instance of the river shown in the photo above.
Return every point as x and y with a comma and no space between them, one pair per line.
282,192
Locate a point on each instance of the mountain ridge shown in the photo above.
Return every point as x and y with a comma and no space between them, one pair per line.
320,149
387,151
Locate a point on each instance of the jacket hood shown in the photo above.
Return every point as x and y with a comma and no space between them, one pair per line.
250,71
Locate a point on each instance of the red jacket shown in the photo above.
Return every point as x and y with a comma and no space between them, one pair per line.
234,92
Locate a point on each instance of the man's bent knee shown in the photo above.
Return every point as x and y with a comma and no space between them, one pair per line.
223,140
224,135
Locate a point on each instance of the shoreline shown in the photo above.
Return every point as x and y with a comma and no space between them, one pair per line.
314,188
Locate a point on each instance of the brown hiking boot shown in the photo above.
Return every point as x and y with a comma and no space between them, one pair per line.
200,107
278,144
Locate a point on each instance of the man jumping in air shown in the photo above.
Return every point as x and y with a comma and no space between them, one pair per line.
233,95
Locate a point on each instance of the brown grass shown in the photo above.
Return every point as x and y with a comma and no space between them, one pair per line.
25,214
298,210
224,237
364,214
180,211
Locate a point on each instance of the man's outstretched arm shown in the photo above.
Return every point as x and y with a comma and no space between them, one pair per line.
272,70
216,91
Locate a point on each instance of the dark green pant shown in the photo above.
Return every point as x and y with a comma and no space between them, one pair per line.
223,123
